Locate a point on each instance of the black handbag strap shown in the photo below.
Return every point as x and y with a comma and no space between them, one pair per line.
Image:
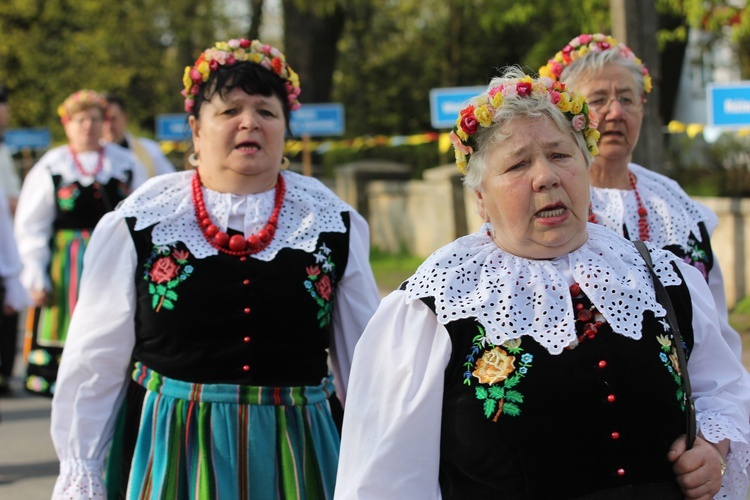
666,302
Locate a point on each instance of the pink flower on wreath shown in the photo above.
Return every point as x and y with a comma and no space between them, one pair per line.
460,146
554,96
163,270
323,286
524,89
469,123
579,123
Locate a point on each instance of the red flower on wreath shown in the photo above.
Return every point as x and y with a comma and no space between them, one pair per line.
163,270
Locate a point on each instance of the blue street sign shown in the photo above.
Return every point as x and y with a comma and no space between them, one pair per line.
729,104
32,138
318,120
173,127
446,103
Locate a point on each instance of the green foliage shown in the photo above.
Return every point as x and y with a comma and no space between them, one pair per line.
391,270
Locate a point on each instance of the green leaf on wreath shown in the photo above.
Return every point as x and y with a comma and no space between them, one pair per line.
511,409
481,392
514,396
489,407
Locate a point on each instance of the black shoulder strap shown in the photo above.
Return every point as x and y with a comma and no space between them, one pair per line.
663,297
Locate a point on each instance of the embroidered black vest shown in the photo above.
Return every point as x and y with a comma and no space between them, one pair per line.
224,319
698,254
520,423
81,207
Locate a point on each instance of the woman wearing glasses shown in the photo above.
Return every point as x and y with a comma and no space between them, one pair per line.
628,198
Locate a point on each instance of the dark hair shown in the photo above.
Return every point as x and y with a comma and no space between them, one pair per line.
252,78
115,99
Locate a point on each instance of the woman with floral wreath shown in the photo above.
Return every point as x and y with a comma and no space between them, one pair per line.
62,198
625,197
532,359
211,302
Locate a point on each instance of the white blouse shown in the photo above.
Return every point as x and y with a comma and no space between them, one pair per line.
35,213
94,369
391,436
672,217
10,263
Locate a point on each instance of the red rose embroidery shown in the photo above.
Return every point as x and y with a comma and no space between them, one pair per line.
163,270
65,192
323,285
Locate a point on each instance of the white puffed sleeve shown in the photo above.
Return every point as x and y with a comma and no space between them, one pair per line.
93,372
34,217
356,300
720,385
395,398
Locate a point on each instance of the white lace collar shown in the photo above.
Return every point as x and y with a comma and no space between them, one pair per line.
511,296
672,214
166,200
114,164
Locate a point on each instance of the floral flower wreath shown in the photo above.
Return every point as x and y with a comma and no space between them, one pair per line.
81,99
483,108
231,52
581,45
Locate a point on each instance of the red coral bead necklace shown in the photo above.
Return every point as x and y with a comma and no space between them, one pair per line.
644,230
83,171
236,245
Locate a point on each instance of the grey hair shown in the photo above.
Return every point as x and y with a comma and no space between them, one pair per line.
511,109
592,62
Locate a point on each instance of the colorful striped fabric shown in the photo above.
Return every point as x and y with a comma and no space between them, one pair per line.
66,264
222,441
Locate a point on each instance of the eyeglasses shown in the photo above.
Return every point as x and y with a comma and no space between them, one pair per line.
628,103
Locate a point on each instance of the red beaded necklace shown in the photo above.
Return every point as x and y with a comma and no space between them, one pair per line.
236,245
79,167
588,319
644,230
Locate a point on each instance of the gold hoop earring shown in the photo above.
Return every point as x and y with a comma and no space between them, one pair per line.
285,163
193,159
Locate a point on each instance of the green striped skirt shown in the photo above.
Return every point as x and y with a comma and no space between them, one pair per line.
47,326
223,441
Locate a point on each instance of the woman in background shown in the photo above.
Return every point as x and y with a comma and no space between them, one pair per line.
62,198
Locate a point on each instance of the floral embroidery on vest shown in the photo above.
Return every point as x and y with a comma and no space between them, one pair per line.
67,196
165,268
498,375
696,257
668,357
319,283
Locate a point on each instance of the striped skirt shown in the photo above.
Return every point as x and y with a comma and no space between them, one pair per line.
223,441
47,327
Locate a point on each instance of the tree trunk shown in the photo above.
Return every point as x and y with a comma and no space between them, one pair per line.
634,24
256,9
310,45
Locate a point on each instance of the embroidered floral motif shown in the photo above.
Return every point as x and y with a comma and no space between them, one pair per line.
67,196
319,283
668,357
696,257
498,374
165,268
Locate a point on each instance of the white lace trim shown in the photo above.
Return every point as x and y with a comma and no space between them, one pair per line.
79,479
511,296
166,200
714,428
672,214
117,162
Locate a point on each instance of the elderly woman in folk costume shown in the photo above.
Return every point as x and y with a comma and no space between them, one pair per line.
532,359
211,302
625,197
63,197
